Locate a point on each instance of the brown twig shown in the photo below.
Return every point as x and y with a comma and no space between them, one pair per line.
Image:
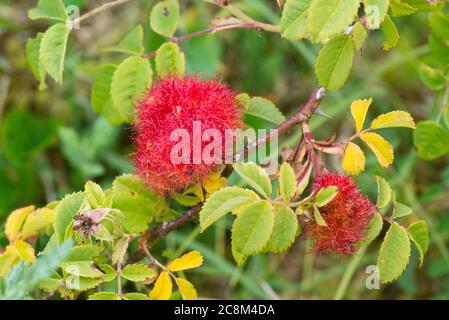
160,231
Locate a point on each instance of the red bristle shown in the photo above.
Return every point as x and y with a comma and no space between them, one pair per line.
175,103
346,216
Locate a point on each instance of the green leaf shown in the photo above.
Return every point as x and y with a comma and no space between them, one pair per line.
326,195
137,209
287,181
53,49
132,43
104,296
94,194
384,192
334,62
34,136
439,24
431,140
223,201
83,253
394,253
373,229
130,80
330,17
137,272
81,269
48,9
255,177
284,231
432,78
136,296
32,53
264,109
133,184
419,234
359,35
186,200
375,12
164,17
66,210
294,19
138,204
170,61
101,99
109,273
51,284
318,217
80,262
120,248
252,229
390,32
400,8
73,282
401,210
243,100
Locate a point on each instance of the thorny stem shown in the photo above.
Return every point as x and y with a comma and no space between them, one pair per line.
303,115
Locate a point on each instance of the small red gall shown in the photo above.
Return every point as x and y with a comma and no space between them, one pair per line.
346,216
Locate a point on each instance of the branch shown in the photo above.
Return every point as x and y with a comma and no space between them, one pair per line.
213,29
241,15
303,115
99,9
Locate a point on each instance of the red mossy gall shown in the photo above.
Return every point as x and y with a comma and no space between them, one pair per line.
346,216
175,103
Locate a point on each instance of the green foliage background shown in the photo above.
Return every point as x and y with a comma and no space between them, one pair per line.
52,141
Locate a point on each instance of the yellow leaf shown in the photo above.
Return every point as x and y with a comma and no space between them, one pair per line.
359,108
38,219
190,260
214,182
7,260
24,250
162,287
15,222
188,291
393,119
381,148
353,159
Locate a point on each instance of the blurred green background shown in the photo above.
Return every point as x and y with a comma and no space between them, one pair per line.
52,141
